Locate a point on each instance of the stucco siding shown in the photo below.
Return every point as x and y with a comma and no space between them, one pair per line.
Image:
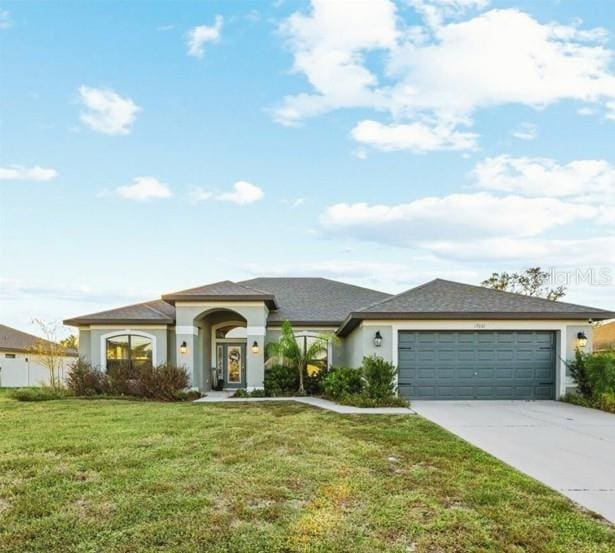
98,336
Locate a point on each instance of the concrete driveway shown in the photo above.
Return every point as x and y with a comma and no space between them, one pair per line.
569,448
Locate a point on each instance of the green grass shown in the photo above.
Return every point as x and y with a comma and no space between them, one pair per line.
122,476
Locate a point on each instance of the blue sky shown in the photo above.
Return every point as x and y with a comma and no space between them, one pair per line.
153,146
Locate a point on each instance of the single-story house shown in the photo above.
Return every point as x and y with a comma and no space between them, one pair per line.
449,340
20,366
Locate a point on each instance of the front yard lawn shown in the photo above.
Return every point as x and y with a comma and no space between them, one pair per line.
127,476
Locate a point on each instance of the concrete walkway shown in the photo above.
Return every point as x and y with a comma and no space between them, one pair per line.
569,448
225,397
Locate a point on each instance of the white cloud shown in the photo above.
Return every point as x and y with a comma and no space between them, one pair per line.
18,172
525,131
242,193
440,74
453,217
144,188
586,180
530,251
5,19
294,203
328,46
198,36
415,137
106,111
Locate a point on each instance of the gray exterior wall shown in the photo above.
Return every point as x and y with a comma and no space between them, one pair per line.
360,344
90,342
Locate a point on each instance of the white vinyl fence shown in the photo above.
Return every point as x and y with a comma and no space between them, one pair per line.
18,370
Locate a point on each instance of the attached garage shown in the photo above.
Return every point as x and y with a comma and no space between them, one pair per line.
477,364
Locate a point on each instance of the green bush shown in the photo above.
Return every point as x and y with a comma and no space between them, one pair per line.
187,395
363,400
281,381
313,382
45,393
85,380
341,382
600,370
578,371
606,402
379,378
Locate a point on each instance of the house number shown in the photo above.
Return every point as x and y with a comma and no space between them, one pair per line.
480,325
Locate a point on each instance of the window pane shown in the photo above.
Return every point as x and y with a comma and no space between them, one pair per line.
140,351
118,349
231,331
321,360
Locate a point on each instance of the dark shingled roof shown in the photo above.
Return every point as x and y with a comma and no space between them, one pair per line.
12,339
314,300
444,299
224,290
149,312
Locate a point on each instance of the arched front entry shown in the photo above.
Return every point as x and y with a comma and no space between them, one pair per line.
224,343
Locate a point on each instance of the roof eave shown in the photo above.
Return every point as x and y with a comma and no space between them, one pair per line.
268,299
79,321
353,320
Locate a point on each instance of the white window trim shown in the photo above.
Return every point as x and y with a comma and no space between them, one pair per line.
124,332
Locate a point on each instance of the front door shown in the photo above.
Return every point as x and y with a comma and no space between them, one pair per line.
234,361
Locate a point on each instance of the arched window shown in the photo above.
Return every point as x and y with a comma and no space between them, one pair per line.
231,331
128,351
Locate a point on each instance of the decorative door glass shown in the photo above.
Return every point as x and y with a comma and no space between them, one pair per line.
233,364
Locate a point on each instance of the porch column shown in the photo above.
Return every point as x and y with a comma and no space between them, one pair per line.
255,365
188,360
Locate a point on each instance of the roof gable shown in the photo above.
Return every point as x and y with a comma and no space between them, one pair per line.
445,299
224,290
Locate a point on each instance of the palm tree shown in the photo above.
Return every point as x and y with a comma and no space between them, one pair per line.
295,354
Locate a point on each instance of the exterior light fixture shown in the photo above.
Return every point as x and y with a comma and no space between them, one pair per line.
581,339
183,349
378,339
255,348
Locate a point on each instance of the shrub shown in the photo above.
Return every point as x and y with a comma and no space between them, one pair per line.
187,395
121,380
281,381
313,382
85,380
363,400
46,393
240,393
259,392
379,378
342,382
162,382
600,372
606,402
578,371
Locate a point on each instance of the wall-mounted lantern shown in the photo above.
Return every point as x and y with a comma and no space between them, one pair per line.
378,339
183,348
581,340
255,348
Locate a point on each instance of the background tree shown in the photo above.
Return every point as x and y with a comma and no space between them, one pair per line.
293,353
532,282
70,342
48,351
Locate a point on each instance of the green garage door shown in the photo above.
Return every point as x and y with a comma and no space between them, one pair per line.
477,365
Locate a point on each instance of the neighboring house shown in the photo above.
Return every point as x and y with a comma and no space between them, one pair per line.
604,337
449,340
19,366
